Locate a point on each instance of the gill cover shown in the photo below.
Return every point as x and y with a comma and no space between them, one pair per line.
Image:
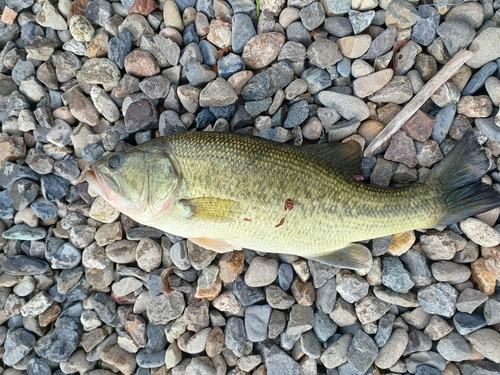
141,182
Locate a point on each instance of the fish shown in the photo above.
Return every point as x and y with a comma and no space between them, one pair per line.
226,192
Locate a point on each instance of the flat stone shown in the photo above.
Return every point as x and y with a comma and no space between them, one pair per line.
486,342
401,149
166,307
354,46
438,299
368,84
482,48
454,347
362,352
262,49
480,232
348,106
261,272
390,353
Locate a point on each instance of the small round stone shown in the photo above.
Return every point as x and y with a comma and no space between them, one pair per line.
480,232
261,272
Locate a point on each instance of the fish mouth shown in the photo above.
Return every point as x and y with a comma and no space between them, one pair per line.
101,182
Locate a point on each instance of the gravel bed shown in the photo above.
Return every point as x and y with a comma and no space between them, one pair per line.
84,289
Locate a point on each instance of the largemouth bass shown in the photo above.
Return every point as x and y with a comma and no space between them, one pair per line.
226,192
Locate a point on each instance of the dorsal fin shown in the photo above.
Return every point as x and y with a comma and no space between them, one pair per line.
345,156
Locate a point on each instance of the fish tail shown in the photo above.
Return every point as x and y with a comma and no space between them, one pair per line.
457,182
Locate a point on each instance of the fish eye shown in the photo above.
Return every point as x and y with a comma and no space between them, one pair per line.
115,162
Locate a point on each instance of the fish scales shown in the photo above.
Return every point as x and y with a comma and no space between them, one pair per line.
226,191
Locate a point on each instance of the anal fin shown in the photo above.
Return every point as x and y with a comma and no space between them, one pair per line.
354,256
219,246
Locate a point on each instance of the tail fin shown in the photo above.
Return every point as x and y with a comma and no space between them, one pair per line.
458,180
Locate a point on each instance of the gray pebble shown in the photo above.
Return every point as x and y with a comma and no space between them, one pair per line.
470,299
24,233
279,363
492,309
424,31
243,31
384,330
18,343
417,342
312,15
301,319
326,296
57,345
438,299
324,327
454,347
256,322
370,309
394,276
277,323
360,20
455,35
479,78
179,255
467,323
278,299
235,335
317,79
297,114
351,287
247,295
425,358
285,276
362,352
310,345
165,307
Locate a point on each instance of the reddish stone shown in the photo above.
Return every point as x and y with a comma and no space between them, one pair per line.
419,126
12,149
143,7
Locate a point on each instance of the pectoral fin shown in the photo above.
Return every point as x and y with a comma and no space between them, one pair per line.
354,256
211,209
218,246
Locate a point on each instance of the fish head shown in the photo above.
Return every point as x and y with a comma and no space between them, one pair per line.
141,182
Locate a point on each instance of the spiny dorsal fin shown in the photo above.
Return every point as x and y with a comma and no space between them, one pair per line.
345,156
354,256
211,209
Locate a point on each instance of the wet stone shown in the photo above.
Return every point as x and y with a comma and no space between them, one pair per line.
438,299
